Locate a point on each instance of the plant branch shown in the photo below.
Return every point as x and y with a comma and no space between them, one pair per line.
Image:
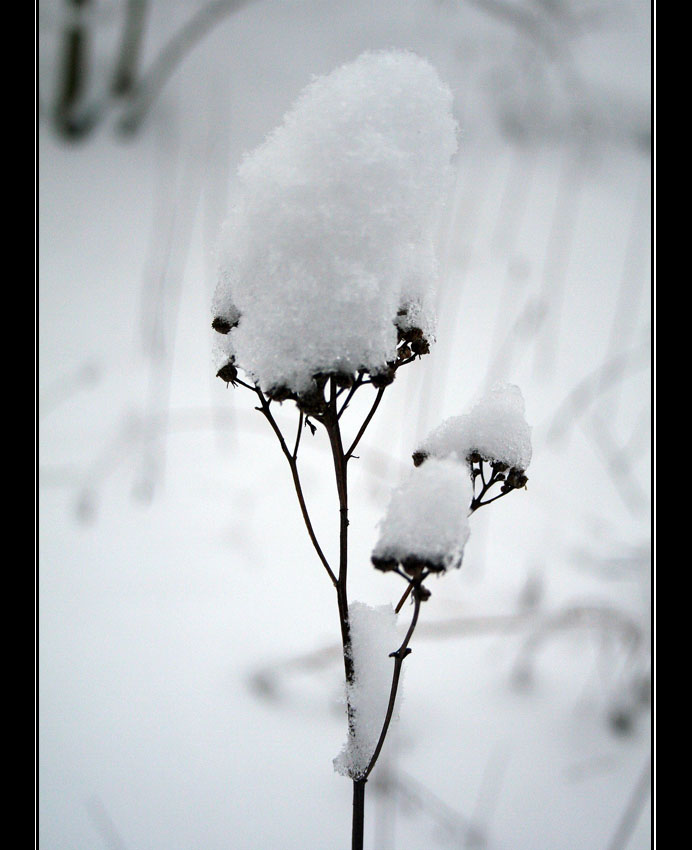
403,599
298,435
365,424
497,475
330,420
357,383
398,656
293,464
478,504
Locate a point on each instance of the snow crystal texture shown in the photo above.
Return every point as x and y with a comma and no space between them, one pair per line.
428,515
495,427
373,637
333,229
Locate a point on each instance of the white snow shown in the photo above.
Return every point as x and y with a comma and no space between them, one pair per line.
333,229
154,617
495,427
428,515
373,638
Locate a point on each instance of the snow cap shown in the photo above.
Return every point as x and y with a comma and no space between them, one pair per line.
332,232
495,428
427,521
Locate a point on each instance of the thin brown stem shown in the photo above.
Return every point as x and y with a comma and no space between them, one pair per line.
298,435
358,824
365,424
403,599
478,504
495,477
399,655
293,464
357,383
329,417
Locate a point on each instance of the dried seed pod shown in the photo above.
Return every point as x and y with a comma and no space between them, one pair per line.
221,325
344,380
228,373
320,380
225,324
280,393
420,346
516,479
419,458
413,334
384,564
312,402
415,567
382,379
424,594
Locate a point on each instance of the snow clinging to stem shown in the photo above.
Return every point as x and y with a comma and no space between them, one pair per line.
373,637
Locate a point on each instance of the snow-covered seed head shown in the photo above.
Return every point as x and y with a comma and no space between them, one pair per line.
426,524
329,251
224,321
383,378
515,480
494,430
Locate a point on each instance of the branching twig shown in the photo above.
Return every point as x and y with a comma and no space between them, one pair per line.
357,383
292,462
398,655
299,431
403,599
365,424
510,481
321,405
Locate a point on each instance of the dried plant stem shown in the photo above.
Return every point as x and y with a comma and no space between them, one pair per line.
293,464
365,424
358,825
403,599
398,655
327,412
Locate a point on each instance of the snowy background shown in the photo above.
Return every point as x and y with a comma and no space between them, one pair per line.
190,683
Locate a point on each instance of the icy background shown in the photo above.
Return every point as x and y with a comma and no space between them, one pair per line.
190,689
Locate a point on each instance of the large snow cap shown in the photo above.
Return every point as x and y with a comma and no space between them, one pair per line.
428,516
495,427
333,229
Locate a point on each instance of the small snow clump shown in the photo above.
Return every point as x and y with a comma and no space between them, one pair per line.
373,638
495,428
328,257
427,521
